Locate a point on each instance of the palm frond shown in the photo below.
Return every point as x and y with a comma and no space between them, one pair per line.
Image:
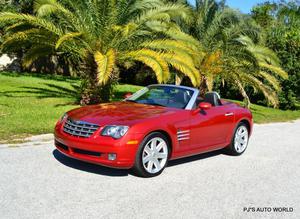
46,7
171,46
178,35
22,38
276,70
271,79
180,64
105,65
66,37
144,5
32,20
165,13
34,53
269,94
18,26
154,60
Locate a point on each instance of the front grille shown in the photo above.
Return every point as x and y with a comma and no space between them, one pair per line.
85,152
61,146
79,128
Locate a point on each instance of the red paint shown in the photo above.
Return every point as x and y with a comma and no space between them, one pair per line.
205,106
209,129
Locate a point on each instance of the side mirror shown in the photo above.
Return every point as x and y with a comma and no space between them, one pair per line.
204,106
127,95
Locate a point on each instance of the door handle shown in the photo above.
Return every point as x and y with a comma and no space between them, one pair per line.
228,114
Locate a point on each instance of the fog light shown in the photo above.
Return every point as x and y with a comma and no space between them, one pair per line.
112,156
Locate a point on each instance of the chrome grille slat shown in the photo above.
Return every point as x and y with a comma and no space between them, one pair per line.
75,129
79,128
76,134
83,125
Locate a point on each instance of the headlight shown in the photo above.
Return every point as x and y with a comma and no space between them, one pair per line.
115,131
64,117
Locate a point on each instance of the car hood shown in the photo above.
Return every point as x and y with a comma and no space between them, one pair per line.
119,113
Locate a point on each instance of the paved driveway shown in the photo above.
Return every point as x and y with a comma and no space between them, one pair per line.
36,181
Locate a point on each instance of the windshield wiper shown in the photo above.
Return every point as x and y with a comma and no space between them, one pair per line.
156,104
133,101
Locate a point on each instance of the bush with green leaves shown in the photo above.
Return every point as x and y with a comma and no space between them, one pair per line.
23,6
282,24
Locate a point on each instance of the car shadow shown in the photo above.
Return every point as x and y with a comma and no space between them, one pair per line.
88,167
194,158
101,170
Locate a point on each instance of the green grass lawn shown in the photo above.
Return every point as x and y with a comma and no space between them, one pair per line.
263,114
31,104
266,115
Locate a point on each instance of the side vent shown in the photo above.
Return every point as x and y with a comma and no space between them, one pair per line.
183,135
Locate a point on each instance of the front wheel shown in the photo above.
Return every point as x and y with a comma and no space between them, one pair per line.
239,141
152,155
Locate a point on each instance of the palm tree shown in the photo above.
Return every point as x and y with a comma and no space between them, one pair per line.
231,49
253,65
97,36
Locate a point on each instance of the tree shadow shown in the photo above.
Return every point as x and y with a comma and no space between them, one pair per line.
49,91
54,91
4,105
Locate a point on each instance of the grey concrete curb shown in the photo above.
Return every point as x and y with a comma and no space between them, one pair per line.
32,141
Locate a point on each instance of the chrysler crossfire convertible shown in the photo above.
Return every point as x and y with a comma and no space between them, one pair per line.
154,125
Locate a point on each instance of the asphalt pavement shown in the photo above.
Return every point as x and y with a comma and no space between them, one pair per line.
36,181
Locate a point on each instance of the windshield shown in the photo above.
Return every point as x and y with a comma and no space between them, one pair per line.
166,96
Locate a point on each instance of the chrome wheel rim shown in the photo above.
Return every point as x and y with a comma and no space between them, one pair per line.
241,139
155,155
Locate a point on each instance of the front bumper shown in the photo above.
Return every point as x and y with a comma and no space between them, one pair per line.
96,148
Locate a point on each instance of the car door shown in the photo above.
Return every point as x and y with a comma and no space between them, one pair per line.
210,128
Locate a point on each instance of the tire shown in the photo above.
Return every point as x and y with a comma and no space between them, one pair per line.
152,155
239,141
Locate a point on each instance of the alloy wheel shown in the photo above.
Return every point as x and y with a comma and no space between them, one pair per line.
155,155
241,139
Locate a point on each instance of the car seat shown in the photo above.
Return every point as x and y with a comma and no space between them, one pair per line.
213,98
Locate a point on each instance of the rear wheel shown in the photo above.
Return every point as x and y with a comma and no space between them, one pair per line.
152,155
239,140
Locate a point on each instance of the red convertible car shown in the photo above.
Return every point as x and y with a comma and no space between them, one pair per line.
154,125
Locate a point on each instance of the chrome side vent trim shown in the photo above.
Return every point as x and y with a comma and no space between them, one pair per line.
183,135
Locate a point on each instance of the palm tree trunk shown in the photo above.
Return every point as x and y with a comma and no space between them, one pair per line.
91,91
244,94
210,83
178,79
203,86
